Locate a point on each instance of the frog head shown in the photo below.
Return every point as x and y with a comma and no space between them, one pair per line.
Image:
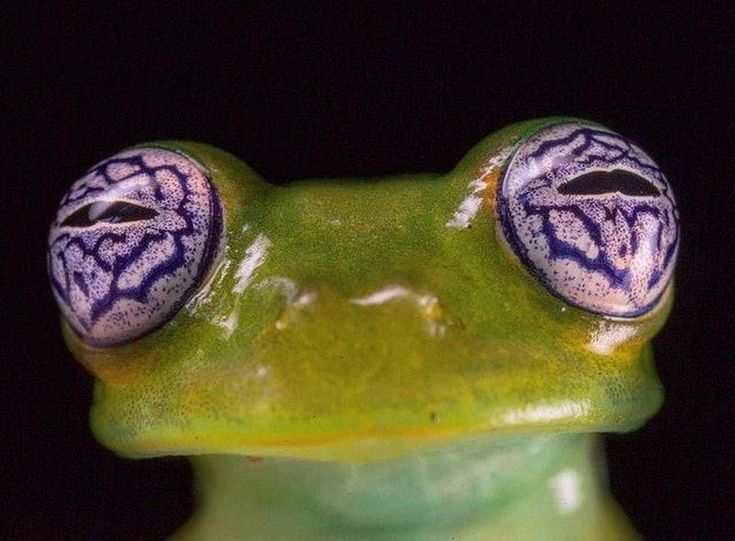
361,319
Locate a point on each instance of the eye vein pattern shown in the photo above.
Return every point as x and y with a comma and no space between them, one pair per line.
592,216
122,276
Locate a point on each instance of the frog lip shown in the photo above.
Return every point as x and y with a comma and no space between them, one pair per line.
355,448
376,443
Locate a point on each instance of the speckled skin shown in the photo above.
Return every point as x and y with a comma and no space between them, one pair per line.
396,370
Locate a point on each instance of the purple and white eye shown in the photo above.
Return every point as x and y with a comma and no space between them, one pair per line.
592,216
131,241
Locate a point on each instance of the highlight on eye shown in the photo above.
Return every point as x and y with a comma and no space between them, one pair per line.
592,217
131,241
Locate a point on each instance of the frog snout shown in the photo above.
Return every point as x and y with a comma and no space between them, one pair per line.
393,304
427,305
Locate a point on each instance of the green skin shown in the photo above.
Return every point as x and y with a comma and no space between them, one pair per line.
395,375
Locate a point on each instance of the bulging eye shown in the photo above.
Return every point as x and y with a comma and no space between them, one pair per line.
131,241
592,216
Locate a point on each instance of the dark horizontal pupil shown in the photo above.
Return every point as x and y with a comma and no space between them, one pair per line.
113,212
600,182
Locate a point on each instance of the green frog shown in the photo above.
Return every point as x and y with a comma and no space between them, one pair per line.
411,357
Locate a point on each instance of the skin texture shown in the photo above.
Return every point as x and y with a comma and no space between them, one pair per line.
394,367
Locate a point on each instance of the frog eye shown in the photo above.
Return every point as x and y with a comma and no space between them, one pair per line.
131,241
592,217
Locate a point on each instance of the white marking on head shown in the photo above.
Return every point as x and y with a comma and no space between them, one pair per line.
428,304
290,290
471,204
254,257
306,298
382,296
608,336
288,287
536,413
229,322
206,292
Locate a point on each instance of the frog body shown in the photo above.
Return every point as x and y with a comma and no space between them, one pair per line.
396,352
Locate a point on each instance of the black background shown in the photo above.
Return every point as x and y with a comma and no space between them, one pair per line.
331,91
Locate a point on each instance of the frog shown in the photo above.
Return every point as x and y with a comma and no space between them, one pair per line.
419,356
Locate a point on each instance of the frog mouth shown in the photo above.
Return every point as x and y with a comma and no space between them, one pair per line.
351,447
355,429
